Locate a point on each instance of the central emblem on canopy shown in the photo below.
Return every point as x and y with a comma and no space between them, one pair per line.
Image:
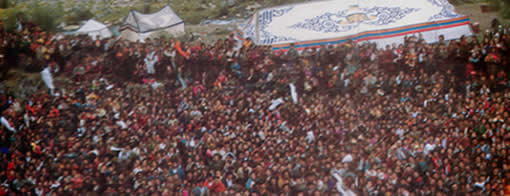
355,15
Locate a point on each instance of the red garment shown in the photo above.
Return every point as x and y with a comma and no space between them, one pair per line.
217,187
221,78
208,184
11,175
197,89
493,57
220,56
77,182
31,109
330,84
464,142
267,165
470,68
253,55
34,46
148,81
3,191
54,113
485,105
196,48
37,150
10,166
278,52
434,160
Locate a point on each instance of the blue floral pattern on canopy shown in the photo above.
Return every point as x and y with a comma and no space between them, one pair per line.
264,19
346,20
447,11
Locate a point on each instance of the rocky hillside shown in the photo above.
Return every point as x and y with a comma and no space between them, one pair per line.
111,11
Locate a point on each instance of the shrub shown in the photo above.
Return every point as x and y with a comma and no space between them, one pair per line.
46,17
164,35
494,5
8,16
505,9
78,15
4,4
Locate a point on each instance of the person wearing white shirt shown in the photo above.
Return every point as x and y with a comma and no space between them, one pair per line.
150,61
7,124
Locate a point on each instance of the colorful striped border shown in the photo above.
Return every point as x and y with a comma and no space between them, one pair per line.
377,34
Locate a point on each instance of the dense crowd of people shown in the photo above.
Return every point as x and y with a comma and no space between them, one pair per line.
166,117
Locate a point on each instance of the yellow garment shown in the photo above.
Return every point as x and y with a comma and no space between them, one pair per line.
92,96
247,44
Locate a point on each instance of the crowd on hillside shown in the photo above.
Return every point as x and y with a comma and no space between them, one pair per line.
166,117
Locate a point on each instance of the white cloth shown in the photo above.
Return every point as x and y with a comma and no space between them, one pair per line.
48,78
340,187
269,77
5,123
109,87
123,155
309,136
113,148
261,135
293,93
122,124
156,85
150,60
481,185
137,170
347,159
56,185
428,148
275,103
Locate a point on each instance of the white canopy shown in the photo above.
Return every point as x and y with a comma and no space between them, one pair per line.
138,26
336,21
94,28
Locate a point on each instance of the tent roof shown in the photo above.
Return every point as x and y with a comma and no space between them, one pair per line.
142,23
91,26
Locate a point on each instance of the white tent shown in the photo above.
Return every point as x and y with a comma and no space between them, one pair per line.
336,21
138,26
94,28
